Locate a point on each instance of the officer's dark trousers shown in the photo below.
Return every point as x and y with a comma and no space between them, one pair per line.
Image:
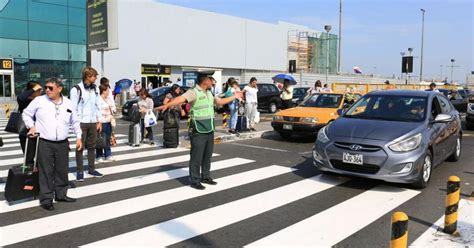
202,146
89,137
53,169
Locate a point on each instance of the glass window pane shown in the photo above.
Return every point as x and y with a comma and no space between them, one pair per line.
10,48
49,13
77,17
48,50
76,69
13,9
21,74
77,35
14,29
43,69
77,52
48,32
77,3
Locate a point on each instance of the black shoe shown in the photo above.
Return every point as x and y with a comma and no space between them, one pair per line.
48,206
253,129
209,181
197,186
66,199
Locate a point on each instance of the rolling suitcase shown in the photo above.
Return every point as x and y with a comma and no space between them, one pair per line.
241,123
170,137
22,182
134,134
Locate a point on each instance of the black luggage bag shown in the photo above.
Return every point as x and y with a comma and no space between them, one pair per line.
170,137
22,182
241,124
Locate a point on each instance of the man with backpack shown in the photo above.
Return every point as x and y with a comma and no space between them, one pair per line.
85,98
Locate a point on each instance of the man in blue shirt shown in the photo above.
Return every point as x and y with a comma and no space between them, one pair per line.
51,116
86,98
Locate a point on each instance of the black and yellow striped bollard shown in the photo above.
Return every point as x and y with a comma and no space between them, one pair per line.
399,237
452,202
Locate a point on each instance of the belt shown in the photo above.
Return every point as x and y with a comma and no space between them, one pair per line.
54,141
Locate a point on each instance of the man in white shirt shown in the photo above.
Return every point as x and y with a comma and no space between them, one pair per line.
51,116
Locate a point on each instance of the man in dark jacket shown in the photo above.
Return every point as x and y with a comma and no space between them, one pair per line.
33,89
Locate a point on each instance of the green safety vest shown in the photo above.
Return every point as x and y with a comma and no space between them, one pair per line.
202,111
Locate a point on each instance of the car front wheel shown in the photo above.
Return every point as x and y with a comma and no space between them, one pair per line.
425,173
272,107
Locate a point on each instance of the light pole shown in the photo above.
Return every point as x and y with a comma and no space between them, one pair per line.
452,67
327,28
340,39
410,50
403,55
422,41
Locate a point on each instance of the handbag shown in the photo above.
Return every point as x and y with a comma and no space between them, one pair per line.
15,124
150,119
100,141
113,140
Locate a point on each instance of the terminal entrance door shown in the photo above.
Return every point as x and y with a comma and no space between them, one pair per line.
5,87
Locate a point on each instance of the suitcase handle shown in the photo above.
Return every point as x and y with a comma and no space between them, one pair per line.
24,167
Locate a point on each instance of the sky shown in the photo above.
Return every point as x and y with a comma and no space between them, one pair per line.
374,32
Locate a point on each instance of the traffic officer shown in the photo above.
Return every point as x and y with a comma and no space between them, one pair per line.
51,116
201,129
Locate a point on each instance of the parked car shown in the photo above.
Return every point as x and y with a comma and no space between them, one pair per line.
299,93
268,97
158,96
313,113
470,113
396,136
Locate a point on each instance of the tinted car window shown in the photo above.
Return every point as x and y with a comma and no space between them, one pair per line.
266,89
273,88
445,105
392,108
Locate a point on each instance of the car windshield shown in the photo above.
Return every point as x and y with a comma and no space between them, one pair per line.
159,91
323,101
390,108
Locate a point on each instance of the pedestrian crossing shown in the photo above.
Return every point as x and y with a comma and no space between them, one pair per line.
145,199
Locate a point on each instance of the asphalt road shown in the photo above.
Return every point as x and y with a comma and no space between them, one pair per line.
268,193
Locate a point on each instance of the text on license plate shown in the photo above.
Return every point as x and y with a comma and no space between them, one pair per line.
352,158
287,127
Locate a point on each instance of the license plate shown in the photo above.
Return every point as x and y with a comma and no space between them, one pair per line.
287,127
353,158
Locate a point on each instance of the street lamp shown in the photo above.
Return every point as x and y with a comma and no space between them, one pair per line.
327,28
422,41
340,39
452,67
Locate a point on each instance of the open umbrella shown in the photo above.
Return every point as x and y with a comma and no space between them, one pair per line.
124,83
280,78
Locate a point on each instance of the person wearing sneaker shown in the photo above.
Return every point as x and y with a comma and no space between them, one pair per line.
51,116
85,98
107,110
201,130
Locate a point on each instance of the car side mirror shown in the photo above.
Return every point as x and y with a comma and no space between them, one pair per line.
443,118
340,112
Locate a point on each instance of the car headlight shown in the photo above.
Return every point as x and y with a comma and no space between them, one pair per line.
470,108
322,137
407,145
310,120
277,118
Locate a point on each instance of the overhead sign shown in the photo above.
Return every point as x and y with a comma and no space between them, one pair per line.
152,69
102,31
6,64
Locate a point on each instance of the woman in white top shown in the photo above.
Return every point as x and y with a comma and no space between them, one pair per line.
251,102
145,104
316,89
107,109
286,95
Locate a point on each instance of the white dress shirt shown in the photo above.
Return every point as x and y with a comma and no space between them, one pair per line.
52,121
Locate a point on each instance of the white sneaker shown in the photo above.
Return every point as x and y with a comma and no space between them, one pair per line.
99,160
110,159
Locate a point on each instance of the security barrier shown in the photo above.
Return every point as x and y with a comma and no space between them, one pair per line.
399,236
452,202
366,88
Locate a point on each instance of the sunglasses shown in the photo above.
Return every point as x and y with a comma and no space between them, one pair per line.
51,88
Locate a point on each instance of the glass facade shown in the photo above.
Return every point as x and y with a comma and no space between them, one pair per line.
320,50
46,38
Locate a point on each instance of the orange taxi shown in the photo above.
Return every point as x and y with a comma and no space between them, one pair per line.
313,113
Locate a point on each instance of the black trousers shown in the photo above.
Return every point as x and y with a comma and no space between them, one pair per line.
30,156
202,146
53,159
89,137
